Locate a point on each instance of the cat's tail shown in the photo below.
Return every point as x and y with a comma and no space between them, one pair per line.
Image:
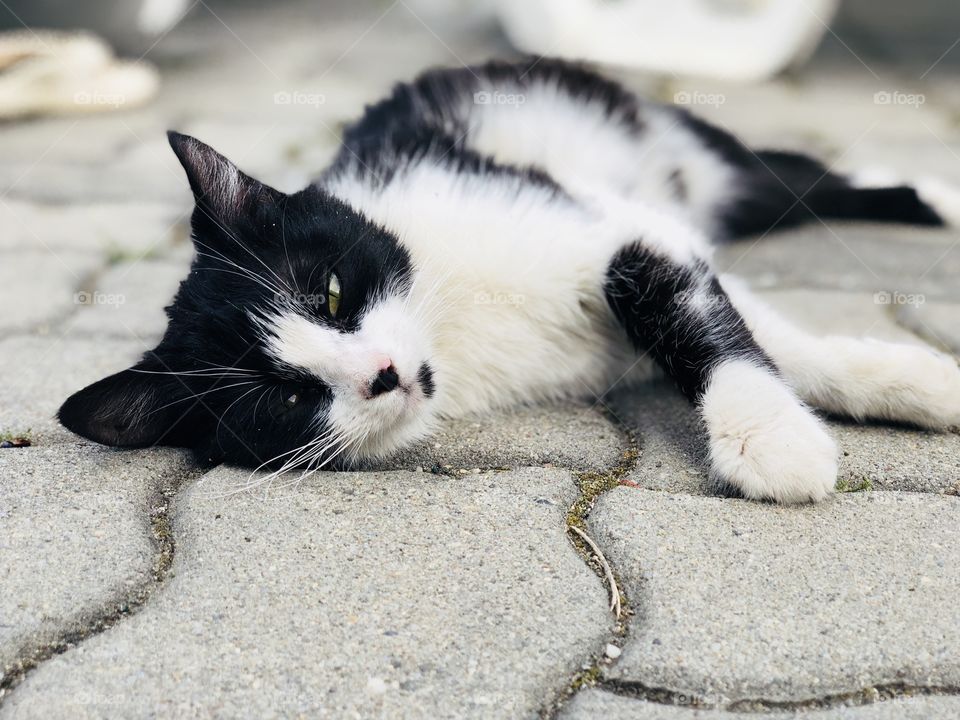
783,189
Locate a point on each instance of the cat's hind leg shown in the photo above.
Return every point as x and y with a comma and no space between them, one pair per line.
858,378
764,441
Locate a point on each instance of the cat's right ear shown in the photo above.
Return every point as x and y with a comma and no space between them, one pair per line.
220,188
137,407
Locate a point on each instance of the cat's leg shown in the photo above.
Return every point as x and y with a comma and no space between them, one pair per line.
859,378
764,442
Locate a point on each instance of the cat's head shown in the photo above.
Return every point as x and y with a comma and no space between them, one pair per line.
294,339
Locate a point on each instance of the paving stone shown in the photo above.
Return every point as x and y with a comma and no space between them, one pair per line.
911,158
128,300
829,113
752,601
597,703
40,286
851,257
350,595
103,230
147,169
39,373
75,537
74,140
936,322
578,438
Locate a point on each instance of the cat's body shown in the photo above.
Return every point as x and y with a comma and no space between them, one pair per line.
507,234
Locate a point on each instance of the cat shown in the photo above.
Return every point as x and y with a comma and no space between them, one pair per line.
497,235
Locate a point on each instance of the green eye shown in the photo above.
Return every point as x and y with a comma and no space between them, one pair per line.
333,294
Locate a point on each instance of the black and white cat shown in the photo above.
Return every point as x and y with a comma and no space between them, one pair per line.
506,234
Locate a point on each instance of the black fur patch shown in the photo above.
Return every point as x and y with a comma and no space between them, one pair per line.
425,378
778,190
429,117
679,315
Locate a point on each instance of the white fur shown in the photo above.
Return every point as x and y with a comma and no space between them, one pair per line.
532,329
763,441
390,332
548,131
861,378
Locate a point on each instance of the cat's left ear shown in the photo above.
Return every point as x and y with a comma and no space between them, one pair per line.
219,187
137,407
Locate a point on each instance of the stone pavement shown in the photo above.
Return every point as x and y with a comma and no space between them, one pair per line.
447,584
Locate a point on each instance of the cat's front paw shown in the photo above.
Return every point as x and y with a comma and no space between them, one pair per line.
763,441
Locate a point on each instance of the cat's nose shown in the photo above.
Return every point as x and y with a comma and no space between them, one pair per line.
386,380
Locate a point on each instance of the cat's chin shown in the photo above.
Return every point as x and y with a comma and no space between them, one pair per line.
410,427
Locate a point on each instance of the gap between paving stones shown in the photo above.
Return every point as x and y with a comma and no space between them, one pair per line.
881,692
114,611
591,485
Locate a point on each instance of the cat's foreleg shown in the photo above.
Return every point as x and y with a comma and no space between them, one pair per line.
764,441
859,378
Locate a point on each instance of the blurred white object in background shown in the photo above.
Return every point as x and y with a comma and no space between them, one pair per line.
43,72
731,39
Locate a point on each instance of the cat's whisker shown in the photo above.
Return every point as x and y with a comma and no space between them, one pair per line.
315,446
198,395
248,250
246,271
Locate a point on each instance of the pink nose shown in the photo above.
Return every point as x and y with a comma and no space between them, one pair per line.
382,362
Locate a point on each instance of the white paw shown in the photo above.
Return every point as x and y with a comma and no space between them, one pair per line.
904,383
763,441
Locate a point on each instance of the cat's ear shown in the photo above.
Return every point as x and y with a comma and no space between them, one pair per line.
219,186
133,408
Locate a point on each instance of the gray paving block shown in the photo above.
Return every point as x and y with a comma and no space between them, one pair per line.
746,600
128,299
578,438
101,230
673,449
352,594
38,373
830,113
75,537
146,170
850,256
40,286
597,703
829,312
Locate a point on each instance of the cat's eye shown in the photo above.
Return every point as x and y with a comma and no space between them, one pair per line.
291,400
333,294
